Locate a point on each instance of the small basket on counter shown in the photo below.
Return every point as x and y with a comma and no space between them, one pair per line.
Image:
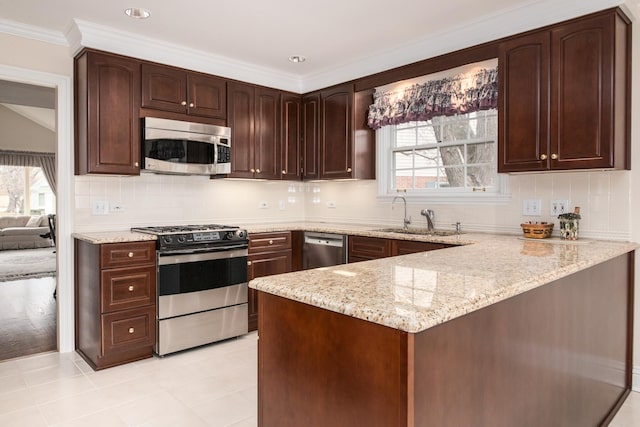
537,231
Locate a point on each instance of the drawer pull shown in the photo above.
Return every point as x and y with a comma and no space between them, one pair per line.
183,103
131,288
131,330
248,262
257,170
136,164
252,170
130,254
271,242
349,170
191,105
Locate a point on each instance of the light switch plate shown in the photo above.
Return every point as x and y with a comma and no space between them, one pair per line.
531,207
99,207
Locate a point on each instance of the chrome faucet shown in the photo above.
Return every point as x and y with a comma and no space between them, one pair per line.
406,220
430,215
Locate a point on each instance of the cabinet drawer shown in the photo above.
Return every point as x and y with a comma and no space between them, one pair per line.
127,254
126,288
267,242
368,248
403,247
128,329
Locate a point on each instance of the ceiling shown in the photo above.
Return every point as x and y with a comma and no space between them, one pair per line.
252,40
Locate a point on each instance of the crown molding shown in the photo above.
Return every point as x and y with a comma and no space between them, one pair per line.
88,34
31,32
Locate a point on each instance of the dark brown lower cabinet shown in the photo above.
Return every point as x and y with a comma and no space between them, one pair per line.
115,302
363,248
269,253
557,355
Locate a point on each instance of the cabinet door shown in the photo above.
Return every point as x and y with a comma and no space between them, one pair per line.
404,247
336,138
240,111
107,106
164,88
207,96
290,141
582,65
523,104
267,133
365,248
260,265
310,143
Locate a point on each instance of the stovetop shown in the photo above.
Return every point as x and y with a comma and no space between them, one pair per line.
195,236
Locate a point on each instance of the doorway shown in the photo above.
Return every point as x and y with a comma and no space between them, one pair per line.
28,307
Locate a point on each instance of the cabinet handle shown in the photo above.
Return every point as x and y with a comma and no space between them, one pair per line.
252,170
257,170
131,330
191,105
130,254
271,242
348,169
248,262
131,288
543,157
183,103
554,157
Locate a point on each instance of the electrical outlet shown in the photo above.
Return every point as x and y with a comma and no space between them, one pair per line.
531,207
331,204
99,207
263,205
281,205
559,206
117,207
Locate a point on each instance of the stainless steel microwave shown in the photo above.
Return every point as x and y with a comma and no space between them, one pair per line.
185,148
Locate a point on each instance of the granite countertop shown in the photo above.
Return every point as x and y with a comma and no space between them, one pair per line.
418,291
101,237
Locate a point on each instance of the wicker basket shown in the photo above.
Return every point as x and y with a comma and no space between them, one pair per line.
537,231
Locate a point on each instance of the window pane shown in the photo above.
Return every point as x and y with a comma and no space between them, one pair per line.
453,155
427,135
427,158
406,137
481,176
427,178
403,160
484,152
453,177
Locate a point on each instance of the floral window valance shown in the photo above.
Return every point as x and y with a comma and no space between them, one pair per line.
459,94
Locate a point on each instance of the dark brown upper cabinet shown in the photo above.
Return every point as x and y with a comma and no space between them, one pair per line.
179,91
335,130
564,96
291,132
255,122
107,100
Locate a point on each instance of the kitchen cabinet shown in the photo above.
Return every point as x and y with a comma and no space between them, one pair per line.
337,143
269,253
254,117
363,248
291,133
404,247
107,102
180,91
564,96
115,297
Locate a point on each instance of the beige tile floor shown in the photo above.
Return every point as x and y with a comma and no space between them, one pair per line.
211,386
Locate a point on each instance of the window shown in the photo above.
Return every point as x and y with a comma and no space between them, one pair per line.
446,157
24,191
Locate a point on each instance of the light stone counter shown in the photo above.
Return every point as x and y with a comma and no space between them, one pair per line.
98,238
418,291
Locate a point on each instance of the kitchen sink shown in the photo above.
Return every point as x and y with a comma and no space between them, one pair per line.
420,231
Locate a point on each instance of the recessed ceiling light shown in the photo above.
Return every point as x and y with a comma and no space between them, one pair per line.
137,12
297,58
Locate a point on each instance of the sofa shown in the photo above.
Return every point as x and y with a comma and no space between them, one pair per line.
24,232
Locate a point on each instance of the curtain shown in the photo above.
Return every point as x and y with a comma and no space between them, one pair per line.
45,161
459,94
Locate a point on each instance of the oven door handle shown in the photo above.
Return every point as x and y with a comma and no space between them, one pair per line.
195,255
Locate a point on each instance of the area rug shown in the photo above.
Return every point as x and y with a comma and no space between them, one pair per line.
27,264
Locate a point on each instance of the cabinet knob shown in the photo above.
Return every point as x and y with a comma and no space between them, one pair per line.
131,330
348,169
271,242
257,170
183,103
252,170
543,157
248,262
191,105
130,254
284,172
131,288
136,164
554,157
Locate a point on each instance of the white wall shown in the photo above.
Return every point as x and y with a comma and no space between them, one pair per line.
21,134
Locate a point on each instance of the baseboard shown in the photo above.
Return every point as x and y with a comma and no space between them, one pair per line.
635,378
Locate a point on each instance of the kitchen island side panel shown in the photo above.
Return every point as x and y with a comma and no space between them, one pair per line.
557,355
318,368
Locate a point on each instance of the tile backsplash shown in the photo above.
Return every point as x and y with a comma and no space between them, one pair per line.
149,199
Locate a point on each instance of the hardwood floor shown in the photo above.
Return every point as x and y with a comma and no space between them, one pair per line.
27,317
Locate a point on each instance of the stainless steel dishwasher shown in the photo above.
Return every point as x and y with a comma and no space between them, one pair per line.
323,250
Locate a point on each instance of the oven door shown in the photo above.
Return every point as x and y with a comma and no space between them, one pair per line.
194,281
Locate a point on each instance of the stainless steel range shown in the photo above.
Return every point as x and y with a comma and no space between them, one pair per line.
201,284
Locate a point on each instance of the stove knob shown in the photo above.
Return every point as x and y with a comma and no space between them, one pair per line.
167,240
241,234
181,239
229,236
